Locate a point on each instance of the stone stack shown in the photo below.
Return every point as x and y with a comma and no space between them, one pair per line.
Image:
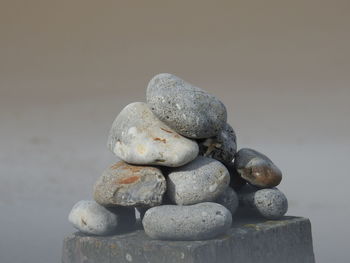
180,169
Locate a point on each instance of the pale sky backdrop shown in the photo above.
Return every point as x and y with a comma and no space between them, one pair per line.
68,67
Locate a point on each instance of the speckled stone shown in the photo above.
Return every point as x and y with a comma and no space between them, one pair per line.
129,185
257,168
228,199
138,137
268,203
202,180
187,109
196,222
221,147
91,218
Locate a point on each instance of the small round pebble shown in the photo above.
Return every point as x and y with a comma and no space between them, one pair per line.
124,184
187,109
257,168
138,137
268,203
202,180
221,147
195,222
93,219
229,199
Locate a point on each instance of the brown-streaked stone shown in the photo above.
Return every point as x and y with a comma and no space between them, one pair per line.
123,184
257,168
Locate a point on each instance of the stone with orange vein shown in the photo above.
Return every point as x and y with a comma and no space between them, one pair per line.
123,184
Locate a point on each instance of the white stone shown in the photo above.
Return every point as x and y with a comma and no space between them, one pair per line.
91,218
137,136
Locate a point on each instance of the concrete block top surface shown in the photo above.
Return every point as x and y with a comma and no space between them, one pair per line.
255,240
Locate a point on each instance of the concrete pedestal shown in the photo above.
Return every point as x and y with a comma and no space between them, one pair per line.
248,241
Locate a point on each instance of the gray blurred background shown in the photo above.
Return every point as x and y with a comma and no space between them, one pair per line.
68,67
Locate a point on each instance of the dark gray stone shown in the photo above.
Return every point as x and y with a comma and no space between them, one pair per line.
221,147
248,241
236,181
187,109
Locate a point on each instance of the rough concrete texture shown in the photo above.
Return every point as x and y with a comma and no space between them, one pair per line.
248,241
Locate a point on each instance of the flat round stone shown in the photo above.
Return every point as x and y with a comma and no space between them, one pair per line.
202,180
195,222
268,203
228,199
221,147
91,218
129,185
187,109
138,137
257,169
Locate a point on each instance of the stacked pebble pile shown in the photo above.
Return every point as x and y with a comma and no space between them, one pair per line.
179,168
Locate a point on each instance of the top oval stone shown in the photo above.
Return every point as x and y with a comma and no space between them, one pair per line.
138,137
189,110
